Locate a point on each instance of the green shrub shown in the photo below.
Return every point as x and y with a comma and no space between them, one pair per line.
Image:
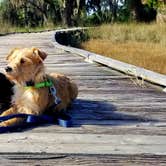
72,38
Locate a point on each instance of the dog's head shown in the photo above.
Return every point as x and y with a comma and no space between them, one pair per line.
24,64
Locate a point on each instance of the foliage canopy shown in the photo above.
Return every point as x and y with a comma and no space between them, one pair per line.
31,13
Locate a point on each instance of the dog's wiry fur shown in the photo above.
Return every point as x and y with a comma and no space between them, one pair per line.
26,64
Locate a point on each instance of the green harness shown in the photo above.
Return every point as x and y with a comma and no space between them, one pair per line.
39,85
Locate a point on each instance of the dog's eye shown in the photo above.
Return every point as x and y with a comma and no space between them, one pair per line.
22,61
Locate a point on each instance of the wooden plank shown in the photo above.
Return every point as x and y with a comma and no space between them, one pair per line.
68,65
92,118
110,127
27,159
82,144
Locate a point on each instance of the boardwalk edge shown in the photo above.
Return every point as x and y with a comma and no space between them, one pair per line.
126,68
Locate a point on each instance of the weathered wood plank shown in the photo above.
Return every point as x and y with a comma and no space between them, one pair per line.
82,144
111,127
81,159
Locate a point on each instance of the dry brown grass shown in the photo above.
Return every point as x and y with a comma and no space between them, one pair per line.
149,52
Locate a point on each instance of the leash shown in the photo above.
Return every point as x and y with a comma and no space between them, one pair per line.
30,120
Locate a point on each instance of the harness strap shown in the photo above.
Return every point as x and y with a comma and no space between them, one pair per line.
48,83
39,85
63,120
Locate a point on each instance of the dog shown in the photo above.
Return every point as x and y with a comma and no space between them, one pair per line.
6,92
26,69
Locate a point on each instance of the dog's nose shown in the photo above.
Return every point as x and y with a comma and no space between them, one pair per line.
8,69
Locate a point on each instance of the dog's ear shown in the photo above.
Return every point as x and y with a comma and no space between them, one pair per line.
39,53
11,52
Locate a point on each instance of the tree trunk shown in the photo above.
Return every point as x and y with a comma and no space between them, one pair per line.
113,8
81,7
141,12
68,12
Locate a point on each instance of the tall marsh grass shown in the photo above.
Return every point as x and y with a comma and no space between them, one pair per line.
143,45
153,33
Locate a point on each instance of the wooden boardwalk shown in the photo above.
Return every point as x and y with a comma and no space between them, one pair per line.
116,121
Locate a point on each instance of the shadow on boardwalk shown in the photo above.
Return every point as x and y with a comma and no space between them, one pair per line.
86,112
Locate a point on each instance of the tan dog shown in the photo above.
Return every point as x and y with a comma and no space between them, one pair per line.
26,66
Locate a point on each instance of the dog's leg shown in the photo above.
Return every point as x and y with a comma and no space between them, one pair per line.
10,111
13,121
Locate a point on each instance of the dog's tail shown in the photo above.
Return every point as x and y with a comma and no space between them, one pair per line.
74,90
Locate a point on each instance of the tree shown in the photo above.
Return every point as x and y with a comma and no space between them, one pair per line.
39,5
142,12
72,10
30,12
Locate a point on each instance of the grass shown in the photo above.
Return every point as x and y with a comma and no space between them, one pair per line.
138,44
8,28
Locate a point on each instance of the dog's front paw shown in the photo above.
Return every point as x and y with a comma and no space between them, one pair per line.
3,124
